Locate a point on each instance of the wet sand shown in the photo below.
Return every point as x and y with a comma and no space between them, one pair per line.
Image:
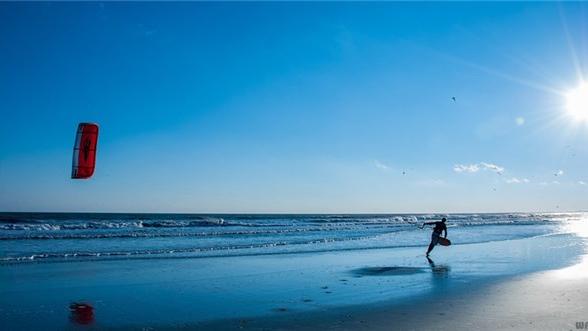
554,300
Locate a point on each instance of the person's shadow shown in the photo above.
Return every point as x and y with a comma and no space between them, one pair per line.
439,272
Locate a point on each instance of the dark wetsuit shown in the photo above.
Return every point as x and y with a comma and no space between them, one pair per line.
439,228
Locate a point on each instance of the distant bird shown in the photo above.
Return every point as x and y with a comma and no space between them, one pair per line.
453,98
404,172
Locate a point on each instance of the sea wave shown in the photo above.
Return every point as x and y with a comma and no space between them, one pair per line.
54,237
240,221
109,224
152,252
94,230
147,234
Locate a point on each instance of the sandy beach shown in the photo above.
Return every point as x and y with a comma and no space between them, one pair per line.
551,300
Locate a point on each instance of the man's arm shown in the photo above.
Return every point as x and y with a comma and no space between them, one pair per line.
426,223
445,232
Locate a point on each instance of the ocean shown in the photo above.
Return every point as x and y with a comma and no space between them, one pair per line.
56,237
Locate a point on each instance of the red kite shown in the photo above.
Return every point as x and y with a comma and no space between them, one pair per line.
84,153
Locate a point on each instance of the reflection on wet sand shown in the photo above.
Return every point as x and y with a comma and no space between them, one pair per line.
439,270
387,271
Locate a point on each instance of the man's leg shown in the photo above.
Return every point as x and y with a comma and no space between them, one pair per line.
434,241
431,246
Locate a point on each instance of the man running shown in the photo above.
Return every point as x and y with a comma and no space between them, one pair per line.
439,227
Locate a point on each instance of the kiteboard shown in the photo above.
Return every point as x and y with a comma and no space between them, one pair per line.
444,241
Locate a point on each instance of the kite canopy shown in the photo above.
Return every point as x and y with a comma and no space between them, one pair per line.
84,152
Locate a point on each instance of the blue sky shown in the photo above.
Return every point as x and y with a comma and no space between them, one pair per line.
294,107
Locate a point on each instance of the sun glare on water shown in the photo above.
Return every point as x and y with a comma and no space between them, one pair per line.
577,103
579,228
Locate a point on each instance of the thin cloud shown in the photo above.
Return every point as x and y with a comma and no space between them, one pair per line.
515,180
520,121
581,182
559,173
492,167
472,168
380,165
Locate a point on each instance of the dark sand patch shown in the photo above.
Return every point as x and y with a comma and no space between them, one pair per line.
388,271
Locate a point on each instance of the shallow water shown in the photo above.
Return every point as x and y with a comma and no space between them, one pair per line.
58,237
145,293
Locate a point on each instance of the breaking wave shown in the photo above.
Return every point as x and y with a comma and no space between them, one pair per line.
57,237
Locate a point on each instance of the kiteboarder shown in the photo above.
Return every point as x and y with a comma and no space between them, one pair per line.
439,227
